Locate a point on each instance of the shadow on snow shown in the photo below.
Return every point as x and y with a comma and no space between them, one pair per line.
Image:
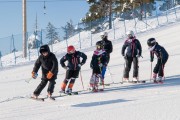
91,104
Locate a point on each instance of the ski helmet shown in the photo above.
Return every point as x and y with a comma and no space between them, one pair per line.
70,49
99,45
44,48
151,42
130,34
104,34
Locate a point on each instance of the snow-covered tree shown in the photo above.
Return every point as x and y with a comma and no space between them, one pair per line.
33,41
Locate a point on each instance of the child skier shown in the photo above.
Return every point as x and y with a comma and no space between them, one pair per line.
162,57
108,47
49,65
72,68
99,60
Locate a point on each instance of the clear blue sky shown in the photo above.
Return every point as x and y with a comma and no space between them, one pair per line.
58,12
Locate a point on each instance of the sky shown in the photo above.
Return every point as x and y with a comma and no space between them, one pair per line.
126,101
58,12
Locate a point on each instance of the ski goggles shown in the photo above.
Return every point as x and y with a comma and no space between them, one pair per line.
71,52
129,35
98,46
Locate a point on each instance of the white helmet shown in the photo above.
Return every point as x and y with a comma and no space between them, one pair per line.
104,34
130,32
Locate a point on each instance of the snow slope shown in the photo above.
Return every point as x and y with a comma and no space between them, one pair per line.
118,101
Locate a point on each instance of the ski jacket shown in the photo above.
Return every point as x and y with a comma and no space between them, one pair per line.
133,48
99,57
48,63
107,45
160,52
73,60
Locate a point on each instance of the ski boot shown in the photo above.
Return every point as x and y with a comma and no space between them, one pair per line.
154,78
160,80
135,80
50,96
69,91
125,80
101,82
94,90
62,91
34,96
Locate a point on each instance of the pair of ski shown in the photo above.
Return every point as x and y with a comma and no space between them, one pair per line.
53,97
42,99
72,93
95,90
134,82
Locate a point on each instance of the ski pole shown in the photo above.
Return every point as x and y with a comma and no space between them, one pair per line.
123,73
151,72
101,77
81,80
138,68
162,69
110,74
28,80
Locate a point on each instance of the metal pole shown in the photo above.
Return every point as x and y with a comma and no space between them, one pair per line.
114,29
110,14
125,26
24,28
81,80
157,15
79,37
91,32
14,49
66,38
151,72
0,59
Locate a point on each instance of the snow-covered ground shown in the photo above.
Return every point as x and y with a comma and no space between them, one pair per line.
118,102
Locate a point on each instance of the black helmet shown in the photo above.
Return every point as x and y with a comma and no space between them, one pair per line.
151,42
44,48
99,45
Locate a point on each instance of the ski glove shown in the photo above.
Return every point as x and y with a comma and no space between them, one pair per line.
34,75
66,68
151,59
49,75
100,65
138,56
79,65
91,66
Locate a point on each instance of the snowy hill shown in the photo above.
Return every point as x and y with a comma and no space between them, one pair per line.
118,102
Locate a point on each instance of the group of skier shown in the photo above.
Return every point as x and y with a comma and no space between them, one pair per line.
99,63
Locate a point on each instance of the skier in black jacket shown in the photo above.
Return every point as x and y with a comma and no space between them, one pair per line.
49,65
133,52
106,44
72,68
98,62
162,57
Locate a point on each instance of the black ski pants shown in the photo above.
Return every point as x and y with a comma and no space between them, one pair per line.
127,68
43,83
159,67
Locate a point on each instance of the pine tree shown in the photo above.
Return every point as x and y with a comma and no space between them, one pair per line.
69,29
52,34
